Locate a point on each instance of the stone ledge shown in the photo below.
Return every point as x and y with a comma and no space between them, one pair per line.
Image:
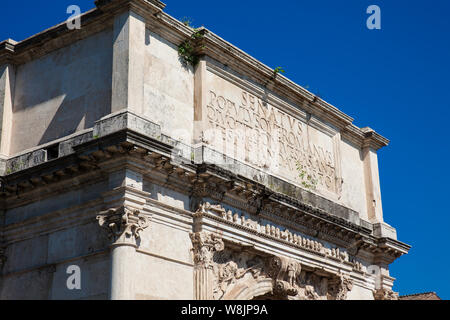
108,128
205,155
383,230
214,46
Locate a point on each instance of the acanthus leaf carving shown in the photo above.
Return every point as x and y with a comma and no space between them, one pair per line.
123,224
339,287
385,294
204,246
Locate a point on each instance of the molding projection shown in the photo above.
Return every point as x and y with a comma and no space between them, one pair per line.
117,139
274,232
209,44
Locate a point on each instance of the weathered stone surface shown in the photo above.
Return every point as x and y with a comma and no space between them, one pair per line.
163,180
25,161
64,92
126,120
66,147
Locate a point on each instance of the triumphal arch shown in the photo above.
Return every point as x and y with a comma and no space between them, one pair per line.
144,159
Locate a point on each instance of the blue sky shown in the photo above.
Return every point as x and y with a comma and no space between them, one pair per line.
395,80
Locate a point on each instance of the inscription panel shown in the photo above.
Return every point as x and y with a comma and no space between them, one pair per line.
257,129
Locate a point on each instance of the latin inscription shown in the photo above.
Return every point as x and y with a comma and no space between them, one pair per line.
253,131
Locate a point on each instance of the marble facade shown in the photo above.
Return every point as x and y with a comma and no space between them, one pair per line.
162,179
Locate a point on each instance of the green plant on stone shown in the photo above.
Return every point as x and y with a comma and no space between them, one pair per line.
308,182
15,167
277,71
186,50
187,21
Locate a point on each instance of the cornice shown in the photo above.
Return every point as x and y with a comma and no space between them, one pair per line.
116,4
232,224
202,181
7,50
373,140
142,7
54,38
210,44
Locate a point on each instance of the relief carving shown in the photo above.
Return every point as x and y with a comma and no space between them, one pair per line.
242,269
339,287
295,239
385,294
204,246
284,272
251,130
123,224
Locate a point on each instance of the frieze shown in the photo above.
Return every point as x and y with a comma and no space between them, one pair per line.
272,231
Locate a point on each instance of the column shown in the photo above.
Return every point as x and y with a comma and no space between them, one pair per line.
124,223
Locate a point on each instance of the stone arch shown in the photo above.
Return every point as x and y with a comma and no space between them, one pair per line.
248,289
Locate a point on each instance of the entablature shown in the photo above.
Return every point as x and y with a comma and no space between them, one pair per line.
131,137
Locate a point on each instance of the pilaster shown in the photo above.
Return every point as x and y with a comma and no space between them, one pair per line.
204,246
7,84
124,224
128,62
372,143
200,100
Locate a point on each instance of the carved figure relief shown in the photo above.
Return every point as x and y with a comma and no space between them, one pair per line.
289,280
274,231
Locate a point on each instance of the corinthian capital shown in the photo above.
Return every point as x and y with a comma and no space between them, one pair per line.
339,287
204,246
123,224
385,294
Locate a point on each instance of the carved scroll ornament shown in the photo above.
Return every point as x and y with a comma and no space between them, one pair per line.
339,287
123,224
204,247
